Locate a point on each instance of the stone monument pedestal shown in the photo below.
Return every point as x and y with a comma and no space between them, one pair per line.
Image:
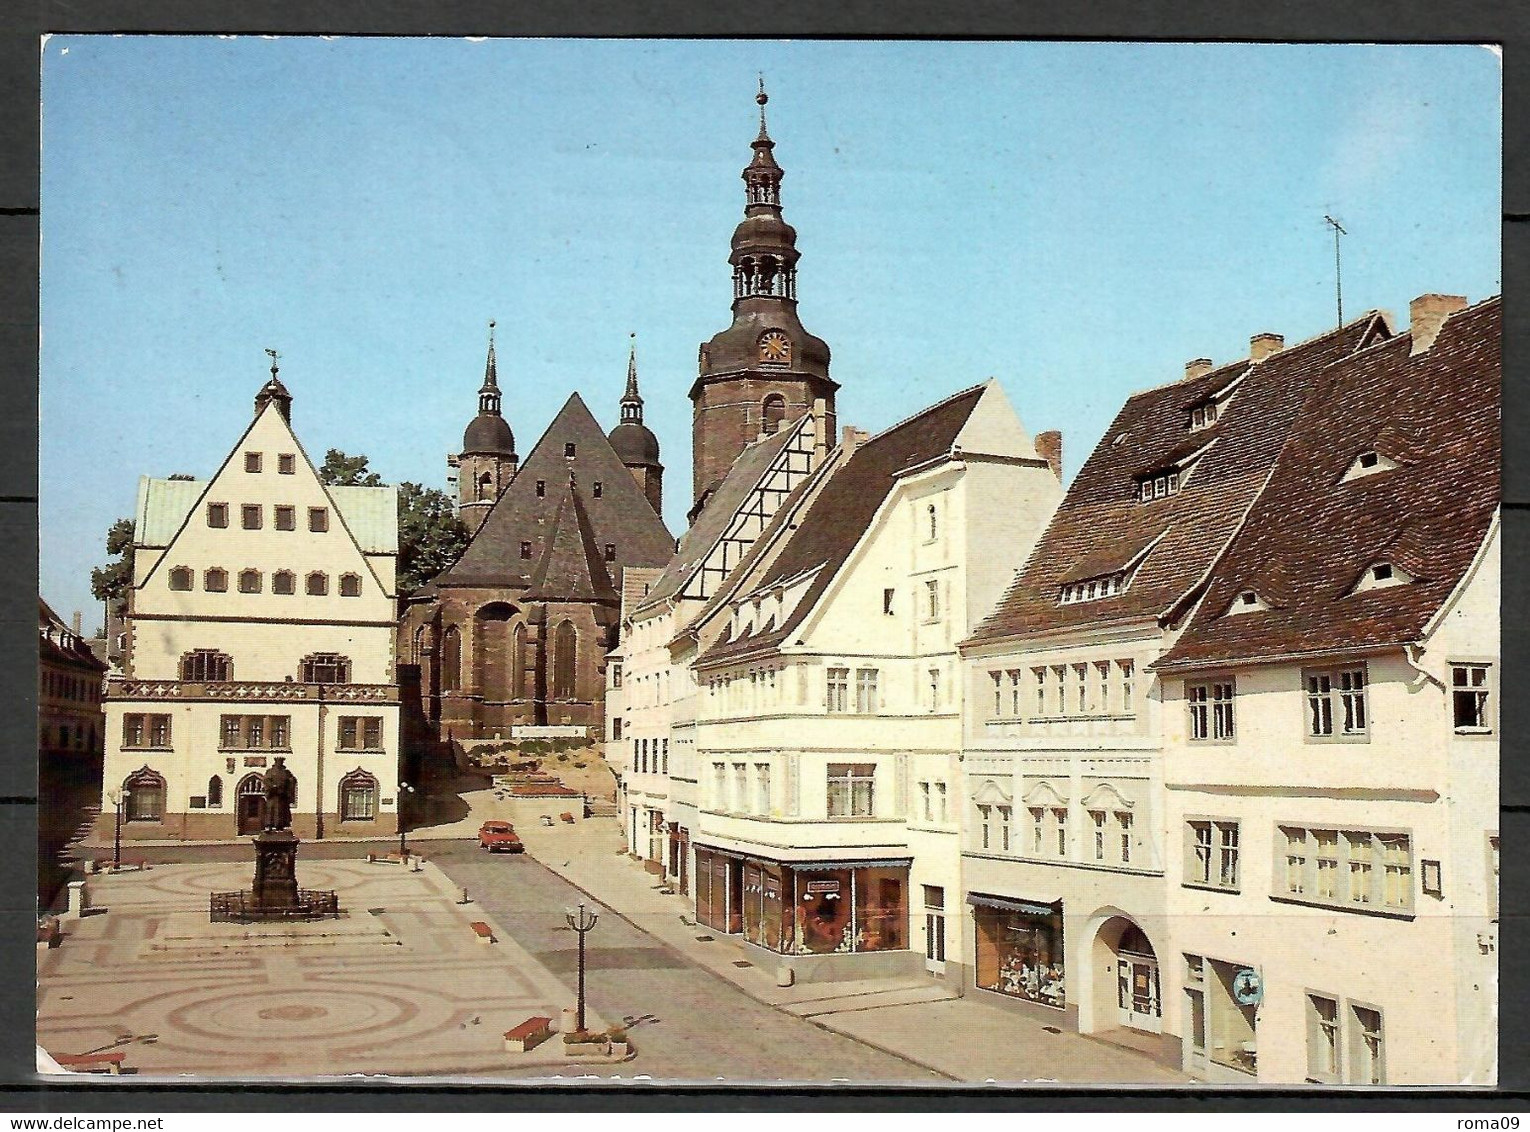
275,869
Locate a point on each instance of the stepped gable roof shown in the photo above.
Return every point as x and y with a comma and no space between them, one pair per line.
715,517
1101,525
840,515
571,566
621,516
1314,534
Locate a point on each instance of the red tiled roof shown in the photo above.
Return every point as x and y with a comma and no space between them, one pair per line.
1102,519
1310,536
834,522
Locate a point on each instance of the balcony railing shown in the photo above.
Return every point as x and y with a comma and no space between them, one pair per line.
124,688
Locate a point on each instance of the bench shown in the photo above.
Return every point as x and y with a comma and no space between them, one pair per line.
481,930
528,1035
566,817
92,1062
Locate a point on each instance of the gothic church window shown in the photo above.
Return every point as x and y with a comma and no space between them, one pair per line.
451,659
565,656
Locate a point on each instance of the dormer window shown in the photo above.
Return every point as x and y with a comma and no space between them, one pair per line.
1368,463
1247,601
1203,416
1092,589
1158,485
1380,576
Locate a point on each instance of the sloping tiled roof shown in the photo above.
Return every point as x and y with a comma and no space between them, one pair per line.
833,524
371,513
1311,536
1101,523
712,523
570,568
621,516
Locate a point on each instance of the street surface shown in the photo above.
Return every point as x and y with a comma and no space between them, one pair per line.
686,1024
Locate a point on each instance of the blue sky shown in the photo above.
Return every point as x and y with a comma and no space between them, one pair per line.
1074,219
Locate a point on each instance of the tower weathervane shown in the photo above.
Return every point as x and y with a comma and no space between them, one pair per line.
274,356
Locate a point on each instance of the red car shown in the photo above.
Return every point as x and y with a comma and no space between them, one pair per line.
497,835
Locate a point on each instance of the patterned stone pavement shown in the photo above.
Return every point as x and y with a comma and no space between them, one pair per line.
399,985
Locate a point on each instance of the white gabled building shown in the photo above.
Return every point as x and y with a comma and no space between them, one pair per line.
260,624
828,728
651,689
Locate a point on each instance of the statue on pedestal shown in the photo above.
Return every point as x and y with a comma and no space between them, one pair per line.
280,791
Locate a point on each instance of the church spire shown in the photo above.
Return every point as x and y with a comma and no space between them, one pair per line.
632,402
488,392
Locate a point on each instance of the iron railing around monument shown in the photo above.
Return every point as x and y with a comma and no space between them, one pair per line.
241,907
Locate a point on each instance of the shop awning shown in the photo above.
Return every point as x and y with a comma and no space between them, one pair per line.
821,856
1013,904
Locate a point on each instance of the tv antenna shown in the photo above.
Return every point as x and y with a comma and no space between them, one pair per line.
1338,277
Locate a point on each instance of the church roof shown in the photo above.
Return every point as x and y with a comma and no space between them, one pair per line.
621,517
571,566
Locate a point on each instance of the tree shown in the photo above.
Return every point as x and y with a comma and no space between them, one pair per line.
430,536
340,470
109,583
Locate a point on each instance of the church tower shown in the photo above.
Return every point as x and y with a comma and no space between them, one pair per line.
487,462
765,369
635,444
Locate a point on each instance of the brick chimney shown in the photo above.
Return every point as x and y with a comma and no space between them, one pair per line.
1198,367
851,439
1427,314
78,617
1261,346
1049,448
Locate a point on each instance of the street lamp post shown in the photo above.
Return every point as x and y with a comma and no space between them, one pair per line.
118,799
403,847
581,920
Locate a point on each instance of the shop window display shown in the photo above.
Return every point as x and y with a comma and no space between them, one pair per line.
1020,952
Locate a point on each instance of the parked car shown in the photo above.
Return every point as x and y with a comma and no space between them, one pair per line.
497,835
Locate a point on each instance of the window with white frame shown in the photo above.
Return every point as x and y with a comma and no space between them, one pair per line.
1125,671
1367,1050
837,689
1081,688
1211,853
998,693
1211,710
985,825
740,788
1038,832
940,814
1060,828
932,600
1470,688
1097,819
1014,693
1060,688
1040,676
720,785
865,691
1336,705
1124,834
1005,814
850,790
933,685
925,812
1322,1039
1360,869
762,788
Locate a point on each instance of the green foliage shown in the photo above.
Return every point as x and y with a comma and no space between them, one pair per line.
430,536
340,470
109,583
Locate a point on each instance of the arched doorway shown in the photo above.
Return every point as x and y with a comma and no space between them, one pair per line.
1128,988
247,803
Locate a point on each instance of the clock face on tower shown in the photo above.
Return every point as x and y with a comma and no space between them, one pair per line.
775,348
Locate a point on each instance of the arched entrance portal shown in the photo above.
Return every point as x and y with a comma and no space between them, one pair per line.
1124,954
248,798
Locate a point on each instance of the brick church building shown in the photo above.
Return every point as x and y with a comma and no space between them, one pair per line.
517,631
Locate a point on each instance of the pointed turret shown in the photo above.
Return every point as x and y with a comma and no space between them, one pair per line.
634,443
487,461
765,368
274,390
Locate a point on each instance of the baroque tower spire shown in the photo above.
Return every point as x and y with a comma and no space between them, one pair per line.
765,369
632,401
487,462
638,447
